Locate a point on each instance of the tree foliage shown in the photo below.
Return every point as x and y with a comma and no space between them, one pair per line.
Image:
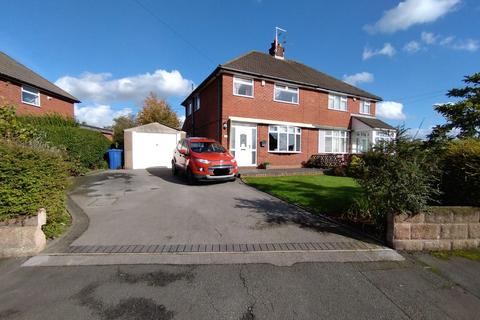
157,110
463,115
119,124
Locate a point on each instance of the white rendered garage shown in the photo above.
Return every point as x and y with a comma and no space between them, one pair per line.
150,145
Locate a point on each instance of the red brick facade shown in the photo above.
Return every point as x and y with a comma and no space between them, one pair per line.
217,106
49,103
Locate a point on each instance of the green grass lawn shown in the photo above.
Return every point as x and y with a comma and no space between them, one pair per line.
319,194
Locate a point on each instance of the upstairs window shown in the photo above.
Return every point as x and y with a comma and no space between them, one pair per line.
337,102
197,103
365,107
243,87
284,139
285,94
30,95
189,108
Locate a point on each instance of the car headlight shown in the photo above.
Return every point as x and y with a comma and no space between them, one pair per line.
204,161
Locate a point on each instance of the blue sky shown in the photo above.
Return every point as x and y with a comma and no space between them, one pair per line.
110,54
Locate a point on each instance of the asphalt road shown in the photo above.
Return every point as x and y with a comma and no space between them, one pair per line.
374,290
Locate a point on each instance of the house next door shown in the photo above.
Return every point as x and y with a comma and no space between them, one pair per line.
243,143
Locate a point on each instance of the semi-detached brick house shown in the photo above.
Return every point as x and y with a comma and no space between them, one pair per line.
263,107
30,92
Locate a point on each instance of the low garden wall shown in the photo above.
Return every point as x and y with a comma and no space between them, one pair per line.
23,237
443,228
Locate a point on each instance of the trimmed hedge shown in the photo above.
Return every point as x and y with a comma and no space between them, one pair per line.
460,183
32,177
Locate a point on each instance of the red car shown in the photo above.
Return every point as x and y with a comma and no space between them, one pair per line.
203,159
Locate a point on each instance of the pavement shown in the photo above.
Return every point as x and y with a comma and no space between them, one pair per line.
62,283
151,217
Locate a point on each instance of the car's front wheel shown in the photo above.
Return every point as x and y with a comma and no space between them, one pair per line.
174,169
190,178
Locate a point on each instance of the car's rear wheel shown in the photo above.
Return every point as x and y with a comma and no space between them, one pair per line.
190,178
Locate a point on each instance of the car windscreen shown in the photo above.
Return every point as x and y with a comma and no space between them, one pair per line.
200,147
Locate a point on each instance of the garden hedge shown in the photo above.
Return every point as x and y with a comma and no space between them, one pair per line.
32,177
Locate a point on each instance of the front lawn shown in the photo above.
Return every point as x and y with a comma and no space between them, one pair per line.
319,194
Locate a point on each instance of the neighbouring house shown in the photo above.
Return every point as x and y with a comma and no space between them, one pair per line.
266,108
107,133
30,92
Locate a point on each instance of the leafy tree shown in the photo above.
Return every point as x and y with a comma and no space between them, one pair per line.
119,124
464,114
157,110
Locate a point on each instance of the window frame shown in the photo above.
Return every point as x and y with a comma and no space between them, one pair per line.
332,136
189,108
244,79
37,94
362,106
297,131
340,97
287,87
196,104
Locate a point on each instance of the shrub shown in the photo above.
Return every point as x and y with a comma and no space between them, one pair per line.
355,166
396,177
460,181
32,177
85,148
11,128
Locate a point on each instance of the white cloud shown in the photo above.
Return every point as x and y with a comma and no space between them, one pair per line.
101,88
412,47
428,37
419,133
390,110
357,78
387,50
450,42
99,115
412,12
467,45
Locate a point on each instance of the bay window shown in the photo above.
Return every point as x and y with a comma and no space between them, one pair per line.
286,94
336,141
337,102
284,139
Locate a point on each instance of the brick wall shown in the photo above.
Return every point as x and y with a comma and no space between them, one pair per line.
49,103
444,228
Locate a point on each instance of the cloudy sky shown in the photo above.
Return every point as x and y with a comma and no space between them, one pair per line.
111,54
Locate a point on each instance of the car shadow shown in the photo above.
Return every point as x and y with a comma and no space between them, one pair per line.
166,175
277,212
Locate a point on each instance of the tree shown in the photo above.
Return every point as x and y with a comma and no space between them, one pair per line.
119,124
157,110
463,115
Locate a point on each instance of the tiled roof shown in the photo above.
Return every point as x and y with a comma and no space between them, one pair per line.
14,70
259,63
153,127
374,123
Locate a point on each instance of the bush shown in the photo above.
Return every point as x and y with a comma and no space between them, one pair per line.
460,183
85,148
32,177
396,177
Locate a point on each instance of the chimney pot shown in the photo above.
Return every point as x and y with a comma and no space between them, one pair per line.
276,50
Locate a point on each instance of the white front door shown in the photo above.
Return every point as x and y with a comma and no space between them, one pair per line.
244,144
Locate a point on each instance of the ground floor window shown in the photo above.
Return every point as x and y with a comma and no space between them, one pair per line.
284,139
336,141
362,140
385,136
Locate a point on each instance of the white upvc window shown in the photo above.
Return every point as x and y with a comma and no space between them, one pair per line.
384,135
284,93
365,107
337,102
243,87
31,95
284,139
336,141
197,103
189,108
362,141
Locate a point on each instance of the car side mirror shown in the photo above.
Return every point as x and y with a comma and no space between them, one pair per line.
183,151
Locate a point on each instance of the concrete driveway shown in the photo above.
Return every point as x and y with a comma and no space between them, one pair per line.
150,212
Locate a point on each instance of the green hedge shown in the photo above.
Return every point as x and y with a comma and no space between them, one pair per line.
460,183
32,177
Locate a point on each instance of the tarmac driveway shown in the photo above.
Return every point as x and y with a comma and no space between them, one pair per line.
151,211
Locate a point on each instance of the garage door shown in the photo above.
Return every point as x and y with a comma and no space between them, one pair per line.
153,149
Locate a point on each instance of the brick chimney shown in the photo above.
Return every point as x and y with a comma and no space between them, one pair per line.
276,50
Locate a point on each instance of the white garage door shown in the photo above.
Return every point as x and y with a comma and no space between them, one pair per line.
153,149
